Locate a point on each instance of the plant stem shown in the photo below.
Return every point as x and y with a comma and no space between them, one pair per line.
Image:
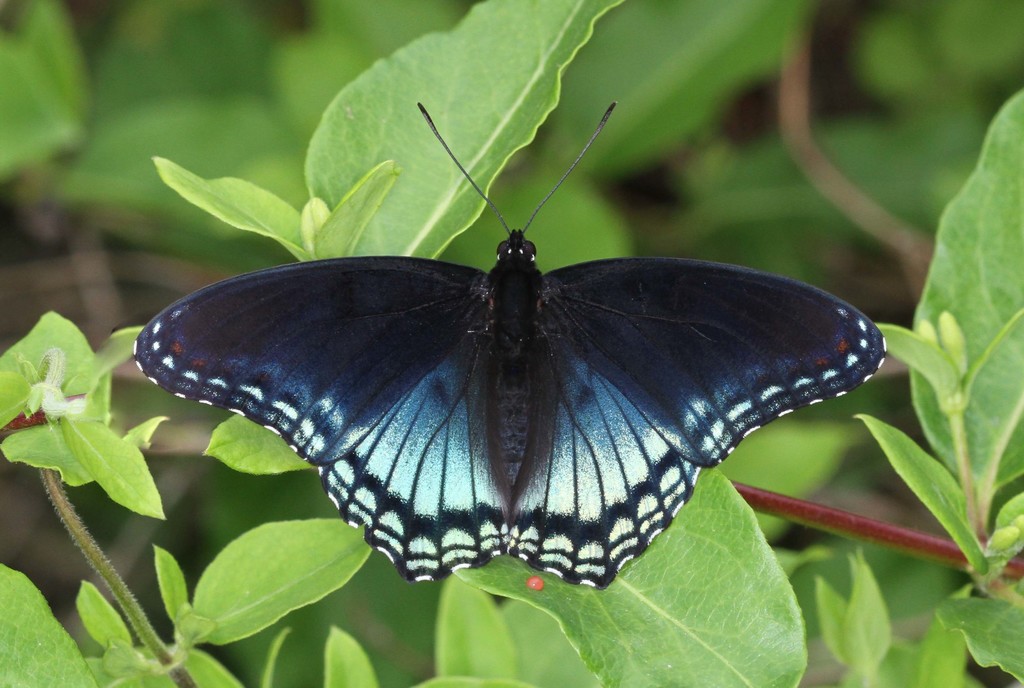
839,522
977,515
118,588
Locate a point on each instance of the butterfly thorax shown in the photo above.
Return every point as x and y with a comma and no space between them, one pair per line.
515,289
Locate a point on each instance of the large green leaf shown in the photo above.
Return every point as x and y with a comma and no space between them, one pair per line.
273,569
488,83
993,629
976,275
706,605
546,658
36,649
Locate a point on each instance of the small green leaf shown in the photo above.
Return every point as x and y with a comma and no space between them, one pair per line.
51,331
665,616
993,630
99,617
44,447
116,465
923,356
345,663
239,203
141,434
275,568
831,617
208,672
14,390
942,659
867,634
267,678
248,448
37,651
340,233
1010,511
191,628
472,638
932,484
171,579
124,661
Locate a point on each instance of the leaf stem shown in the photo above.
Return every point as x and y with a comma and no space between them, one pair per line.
977,514
847,524
133,611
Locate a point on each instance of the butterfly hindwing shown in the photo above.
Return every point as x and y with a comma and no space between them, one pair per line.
368,368
648,370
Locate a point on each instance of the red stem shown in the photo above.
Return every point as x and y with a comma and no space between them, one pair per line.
839,522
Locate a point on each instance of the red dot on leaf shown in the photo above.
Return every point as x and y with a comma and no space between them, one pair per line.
535,583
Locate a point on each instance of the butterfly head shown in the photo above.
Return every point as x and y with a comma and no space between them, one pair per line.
517,250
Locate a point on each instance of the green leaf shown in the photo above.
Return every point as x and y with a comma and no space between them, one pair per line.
116,465
44,447
831,617
509,56
932,484
345,663
141,434
993,630
697,56
267,678
924,357
249,448
239,203
51,331
99,617
867,634
546,658
342,230
208,672
37,651
275,568
14,390
707,599
942,659
975,275
171,579
1013,508
472,638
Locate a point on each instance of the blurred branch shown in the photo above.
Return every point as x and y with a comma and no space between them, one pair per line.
908,244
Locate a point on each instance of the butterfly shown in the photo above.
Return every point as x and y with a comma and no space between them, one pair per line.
562,418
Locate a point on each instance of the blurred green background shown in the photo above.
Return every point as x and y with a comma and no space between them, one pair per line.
693,163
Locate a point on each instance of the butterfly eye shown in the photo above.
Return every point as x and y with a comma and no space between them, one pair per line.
530,250
502,249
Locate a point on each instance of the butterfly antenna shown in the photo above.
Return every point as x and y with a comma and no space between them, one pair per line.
430,123
600,126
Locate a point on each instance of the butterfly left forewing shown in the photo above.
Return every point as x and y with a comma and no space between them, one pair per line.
367,367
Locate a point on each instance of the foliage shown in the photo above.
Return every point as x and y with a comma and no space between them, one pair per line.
226,102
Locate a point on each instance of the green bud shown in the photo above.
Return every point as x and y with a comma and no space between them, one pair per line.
953,340
314,215
47,394
190,628
1018,522
927,331
1004,538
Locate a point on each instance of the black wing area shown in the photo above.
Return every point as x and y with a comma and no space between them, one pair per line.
370,368
649,370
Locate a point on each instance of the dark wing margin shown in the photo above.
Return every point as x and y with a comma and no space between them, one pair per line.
651,369
368,368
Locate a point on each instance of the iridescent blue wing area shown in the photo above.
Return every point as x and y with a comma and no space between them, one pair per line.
648,370
371,369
